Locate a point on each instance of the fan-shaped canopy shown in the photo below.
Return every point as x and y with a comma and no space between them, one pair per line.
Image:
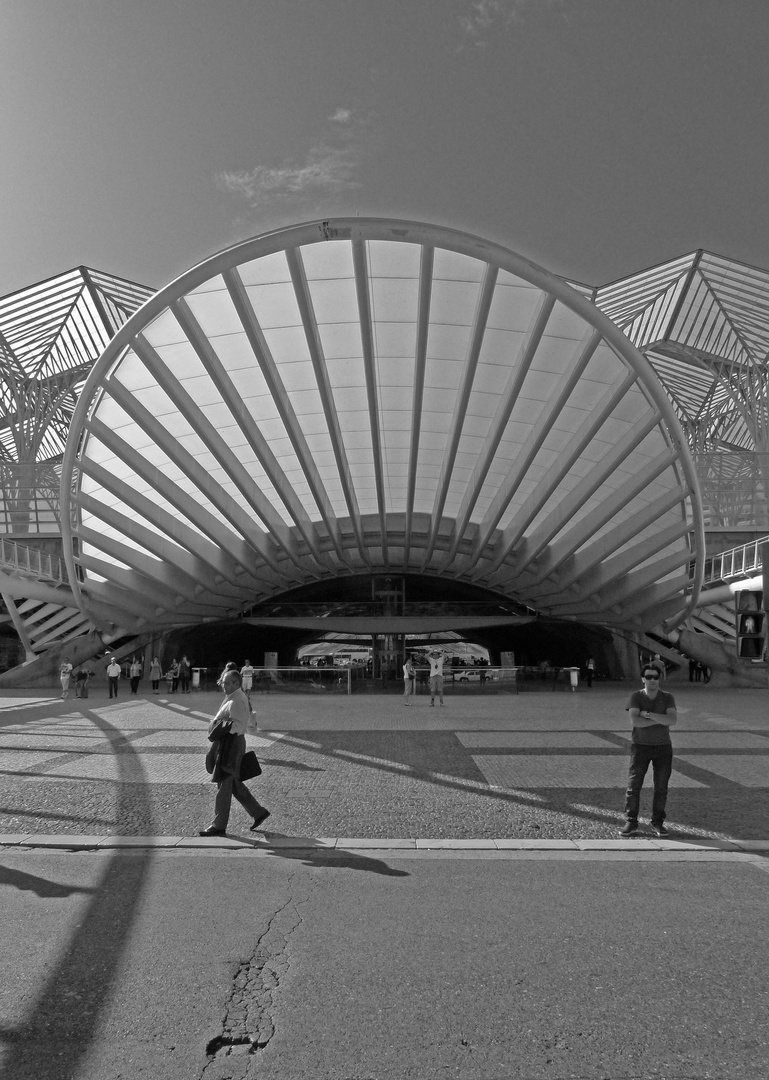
359,396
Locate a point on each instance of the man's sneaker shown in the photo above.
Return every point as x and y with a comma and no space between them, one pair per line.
659,830
629,828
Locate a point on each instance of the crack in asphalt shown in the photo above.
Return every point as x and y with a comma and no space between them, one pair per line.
248,1023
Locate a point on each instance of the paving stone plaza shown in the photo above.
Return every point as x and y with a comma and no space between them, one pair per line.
531,767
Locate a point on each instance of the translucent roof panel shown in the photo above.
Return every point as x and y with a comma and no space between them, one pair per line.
358,394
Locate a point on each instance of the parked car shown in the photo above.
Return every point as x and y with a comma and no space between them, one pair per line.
474,674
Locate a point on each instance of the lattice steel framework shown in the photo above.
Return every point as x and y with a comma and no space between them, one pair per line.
703,323
50,335
362,395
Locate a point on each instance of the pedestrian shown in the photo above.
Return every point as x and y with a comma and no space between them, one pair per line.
82,675
697,671
247,677
590,671
437,660
659,664
229,666
652,714
174,673
483,664
136,674
408,680
113,675
65,673
156,674
184,674
227,731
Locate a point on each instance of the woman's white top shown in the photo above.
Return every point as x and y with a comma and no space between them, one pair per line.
235,707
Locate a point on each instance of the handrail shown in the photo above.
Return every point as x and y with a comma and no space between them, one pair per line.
30,560
366,608
742,561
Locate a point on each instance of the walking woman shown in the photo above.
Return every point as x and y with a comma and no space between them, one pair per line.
228,729
136,674
156,673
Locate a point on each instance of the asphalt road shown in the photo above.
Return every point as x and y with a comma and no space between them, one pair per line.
377,965
360,961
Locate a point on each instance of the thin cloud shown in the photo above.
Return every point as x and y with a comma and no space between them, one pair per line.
327,173
484,18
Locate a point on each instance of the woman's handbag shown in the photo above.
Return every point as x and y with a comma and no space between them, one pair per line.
249,766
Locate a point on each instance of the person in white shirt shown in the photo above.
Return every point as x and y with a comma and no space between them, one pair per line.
247,675
64,674
408,680
437,660
113,674
235,712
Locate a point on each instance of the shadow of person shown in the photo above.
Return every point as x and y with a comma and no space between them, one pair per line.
18,879
309,852
284,763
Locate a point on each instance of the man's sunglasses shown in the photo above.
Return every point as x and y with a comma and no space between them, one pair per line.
652,677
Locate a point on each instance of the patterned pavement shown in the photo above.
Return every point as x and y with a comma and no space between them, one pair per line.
534,766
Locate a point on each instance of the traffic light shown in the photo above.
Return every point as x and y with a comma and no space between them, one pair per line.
750,623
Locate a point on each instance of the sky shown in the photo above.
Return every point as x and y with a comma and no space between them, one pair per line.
594,137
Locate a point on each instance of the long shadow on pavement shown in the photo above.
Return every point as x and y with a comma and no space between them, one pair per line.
61,1025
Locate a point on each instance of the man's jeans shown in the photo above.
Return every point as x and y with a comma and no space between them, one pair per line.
661,758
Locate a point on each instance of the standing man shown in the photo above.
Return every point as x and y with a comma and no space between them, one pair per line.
437,660
113,674
652,714
408,680
247,677
590,671
64,675
659,664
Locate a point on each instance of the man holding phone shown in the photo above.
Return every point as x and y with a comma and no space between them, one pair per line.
652,714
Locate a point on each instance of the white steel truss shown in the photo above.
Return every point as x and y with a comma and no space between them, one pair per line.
364,394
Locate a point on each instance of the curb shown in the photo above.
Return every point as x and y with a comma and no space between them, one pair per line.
80,842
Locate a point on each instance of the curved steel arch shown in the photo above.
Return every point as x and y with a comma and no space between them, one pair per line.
363,394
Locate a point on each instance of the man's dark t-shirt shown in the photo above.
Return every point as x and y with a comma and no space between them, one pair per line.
656,734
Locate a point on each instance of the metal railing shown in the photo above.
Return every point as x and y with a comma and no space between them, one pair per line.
29,560
353,608
738,562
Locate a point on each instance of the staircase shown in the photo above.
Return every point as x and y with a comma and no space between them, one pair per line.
38,601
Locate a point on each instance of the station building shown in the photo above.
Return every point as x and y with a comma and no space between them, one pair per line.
366,429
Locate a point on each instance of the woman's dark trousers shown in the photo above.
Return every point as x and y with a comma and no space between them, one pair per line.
229,787
661,759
